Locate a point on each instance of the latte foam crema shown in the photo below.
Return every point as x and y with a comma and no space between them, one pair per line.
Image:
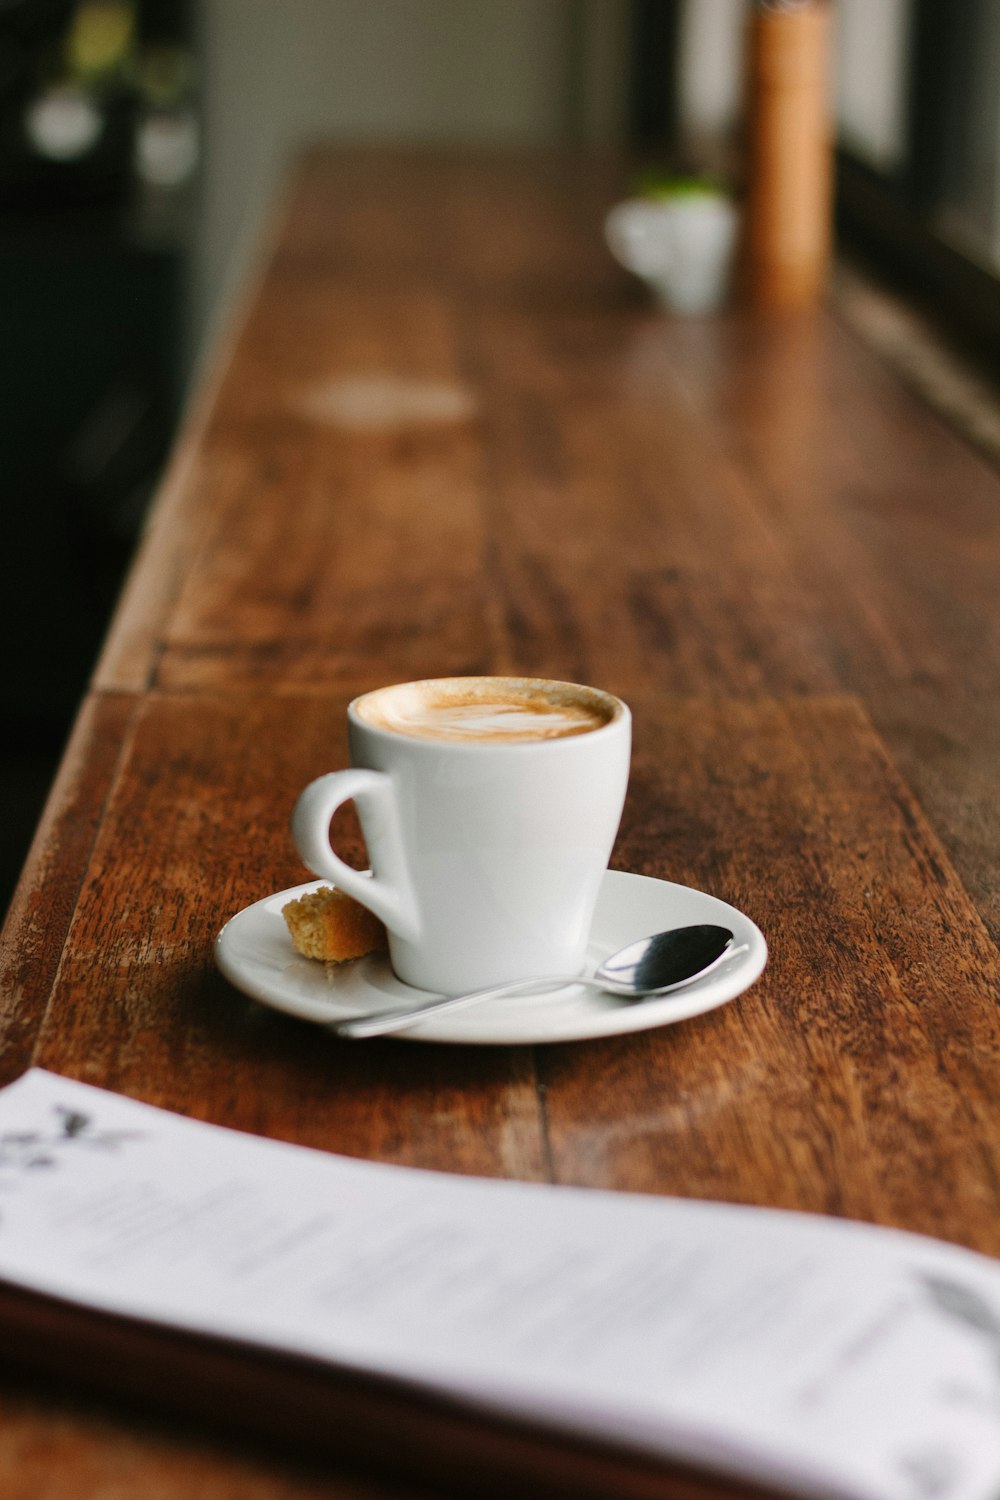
486,710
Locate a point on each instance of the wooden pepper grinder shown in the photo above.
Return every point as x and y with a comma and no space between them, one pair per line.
789,159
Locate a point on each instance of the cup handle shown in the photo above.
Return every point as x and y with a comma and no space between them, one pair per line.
389,895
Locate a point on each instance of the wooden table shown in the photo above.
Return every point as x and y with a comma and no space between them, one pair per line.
448,436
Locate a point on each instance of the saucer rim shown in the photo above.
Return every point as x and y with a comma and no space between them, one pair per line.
557,1017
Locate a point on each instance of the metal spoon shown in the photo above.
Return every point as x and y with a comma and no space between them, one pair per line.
652,966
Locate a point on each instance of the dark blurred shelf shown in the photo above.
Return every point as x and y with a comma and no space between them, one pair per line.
90,314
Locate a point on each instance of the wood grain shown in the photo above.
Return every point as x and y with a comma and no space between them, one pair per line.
893,526
848,1081
196,828
851,1079
446,434
754,504
41,912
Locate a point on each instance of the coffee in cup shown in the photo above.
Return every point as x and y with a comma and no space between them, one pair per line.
490,807
486,710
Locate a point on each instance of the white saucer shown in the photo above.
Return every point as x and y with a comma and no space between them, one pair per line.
255,953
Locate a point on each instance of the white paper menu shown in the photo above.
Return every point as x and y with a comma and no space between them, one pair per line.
808,1353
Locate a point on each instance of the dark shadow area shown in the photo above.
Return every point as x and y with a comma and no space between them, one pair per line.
94,227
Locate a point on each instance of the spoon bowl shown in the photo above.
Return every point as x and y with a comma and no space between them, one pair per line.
653,966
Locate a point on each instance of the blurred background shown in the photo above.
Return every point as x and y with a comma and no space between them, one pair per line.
141,140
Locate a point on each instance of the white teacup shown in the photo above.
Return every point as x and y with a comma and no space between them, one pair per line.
489,806
682,247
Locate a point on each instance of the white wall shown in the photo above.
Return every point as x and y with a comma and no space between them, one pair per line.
278,73
872,39
712,68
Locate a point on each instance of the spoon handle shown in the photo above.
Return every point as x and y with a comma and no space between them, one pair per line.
384,1022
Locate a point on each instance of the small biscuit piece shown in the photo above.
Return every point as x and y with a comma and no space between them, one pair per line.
332,926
